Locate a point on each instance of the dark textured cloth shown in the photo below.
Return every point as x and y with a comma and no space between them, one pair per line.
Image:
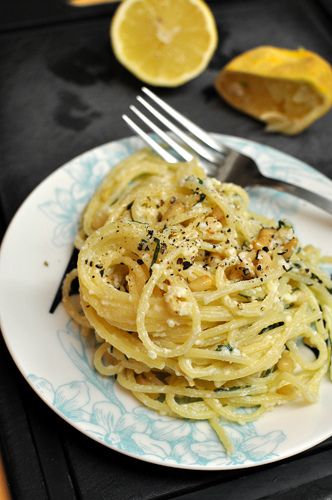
62,93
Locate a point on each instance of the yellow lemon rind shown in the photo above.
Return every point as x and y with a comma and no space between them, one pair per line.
273,63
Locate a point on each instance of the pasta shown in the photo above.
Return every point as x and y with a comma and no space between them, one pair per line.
201,309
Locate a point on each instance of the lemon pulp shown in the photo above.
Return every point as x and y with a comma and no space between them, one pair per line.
164,42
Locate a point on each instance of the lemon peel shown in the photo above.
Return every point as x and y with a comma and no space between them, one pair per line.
286,89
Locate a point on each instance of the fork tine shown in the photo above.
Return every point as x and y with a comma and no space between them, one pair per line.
194,129
190,141
184,154
151,142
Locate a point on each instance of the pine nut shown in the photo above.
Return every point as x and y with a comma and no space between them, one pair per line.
289,246
201,283
263,262
264,238
287,390
285,363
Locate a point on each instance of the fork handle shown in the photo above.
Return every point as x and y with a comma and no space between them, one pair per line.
316,199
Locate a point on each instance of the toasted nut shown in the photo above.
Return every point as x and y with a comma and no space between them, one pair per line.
287,390
233,273
264,238
201,283
290,247
285,363
240,272
263,262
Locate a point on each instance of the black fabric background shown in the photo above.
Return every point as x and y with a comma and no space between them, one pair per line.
62,93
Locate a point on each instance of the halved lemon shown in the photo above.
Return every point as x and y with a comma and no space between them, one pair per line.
287,89
164,42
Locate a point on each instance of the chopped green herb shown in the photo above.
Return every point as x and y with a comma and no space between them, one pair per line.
155,253
284,223
220,347
184,400
315,277
271,327
234,388
268,372
202,197
313,349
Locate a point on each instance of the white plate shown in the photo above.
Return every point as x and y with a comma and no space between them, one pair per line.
49,352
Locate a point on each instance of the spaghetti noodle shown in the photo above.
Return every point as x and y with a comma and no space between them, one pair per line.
201,309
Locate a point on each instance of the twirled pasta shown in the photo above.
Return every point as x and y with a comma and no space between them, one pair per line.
200,307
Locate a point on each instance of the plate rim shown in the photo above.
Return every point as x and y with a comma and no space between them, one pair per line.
11,227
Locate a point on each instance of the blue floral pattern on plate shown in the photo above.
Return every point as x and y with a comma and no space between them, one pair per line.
96,405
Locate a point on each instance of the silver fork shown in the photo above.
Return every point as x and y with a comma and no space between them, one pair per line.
224,163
